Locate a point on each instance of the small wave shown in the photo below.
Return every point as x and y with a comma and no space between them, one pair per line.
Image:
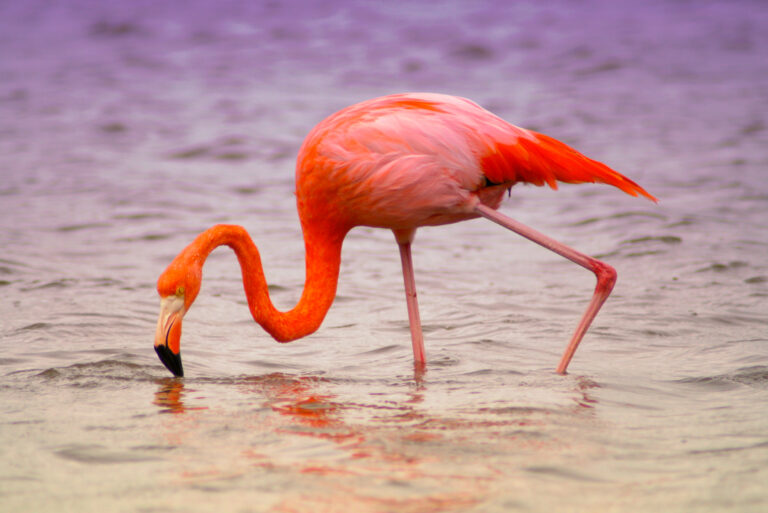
266,364
7,266
666,239
109,29
650,244
735,318
95,374
190,153
473,52
83,226
10,361
719,267
753,376
55,284
105,282
92,453
518,410
620,215
35,326
382,350
209,152
247,190
138,217
719,450
562,473
146,237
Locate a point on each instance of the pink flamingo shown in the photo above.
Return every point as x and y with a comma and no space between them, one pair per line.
398,162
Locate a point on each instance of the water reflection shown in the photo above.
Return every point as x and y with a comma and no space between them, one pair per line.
385,441
169,397
583,397
296,398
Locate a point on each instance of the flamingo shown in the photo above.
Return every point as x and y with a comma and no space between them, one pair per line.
400,162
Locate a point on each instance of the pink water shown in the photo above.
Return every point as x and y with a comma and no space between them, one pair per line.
126,129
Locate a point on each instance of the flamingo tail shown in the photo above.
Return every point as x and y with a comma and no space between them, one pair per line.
543,160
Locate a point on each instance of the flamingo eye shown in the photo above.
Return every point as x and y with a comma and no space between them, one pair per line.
180,291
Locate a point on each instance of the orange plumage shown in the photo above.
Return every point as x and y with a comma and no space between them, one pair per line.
539,159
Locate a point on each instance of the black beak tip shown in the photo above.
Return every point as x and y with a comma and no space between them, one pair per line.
171,360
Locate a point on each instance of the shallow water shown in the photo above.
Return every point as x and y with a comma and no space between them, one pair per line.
126,130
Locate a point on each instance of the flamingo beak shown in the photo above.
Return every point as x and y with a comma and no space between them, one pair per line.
168,334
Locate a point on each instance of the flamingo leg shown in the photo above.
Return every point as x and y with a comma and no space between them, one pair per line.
404,239
606,275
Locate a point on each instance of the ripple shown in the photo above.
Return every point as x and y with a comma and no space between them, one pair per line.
752,376
35,326
666,239
96,374
109,29
620,215
382,350
10,361
247,190
718,450
114,127
605,66
139,216
518,410
720,267
473,52
562,473
55,284
190,153
146,237
83,226
232,155
93,453
656,244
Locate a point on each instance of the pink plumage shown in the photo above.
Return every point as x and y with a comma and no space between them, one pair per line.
410,160
396,162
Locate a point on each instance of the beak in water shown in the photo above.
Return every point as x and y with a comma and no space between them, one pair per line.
168,334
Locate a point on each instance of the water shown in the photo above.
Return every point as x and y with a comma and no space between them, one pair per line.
127,129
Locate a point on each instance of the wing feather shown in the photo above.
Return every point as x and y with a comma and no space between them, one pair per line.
538,159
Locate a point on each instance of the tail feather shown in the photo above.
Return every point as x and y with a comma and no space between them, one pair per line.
545,160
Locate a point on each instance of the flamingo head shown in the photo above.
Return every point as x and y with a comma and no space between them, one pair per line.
178,287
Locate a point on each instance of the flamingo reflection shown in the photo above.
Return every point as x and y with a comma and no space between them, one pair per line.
375,451
169,397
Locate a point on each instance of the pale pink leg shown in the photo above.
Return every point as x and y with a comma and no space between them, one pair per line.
404,239
606,275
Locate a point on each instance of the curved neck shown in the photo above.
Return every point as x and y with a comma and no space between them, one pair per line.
323,259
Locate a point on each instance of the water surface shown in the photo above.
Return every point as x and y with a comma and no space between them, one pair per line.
126,130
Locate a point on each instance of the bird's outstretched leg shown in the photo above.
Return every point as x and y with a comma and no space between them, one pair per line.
404,239
606,275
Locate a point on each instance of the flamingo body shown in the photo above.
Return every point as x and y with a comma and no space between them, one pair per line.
410,160
398,162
